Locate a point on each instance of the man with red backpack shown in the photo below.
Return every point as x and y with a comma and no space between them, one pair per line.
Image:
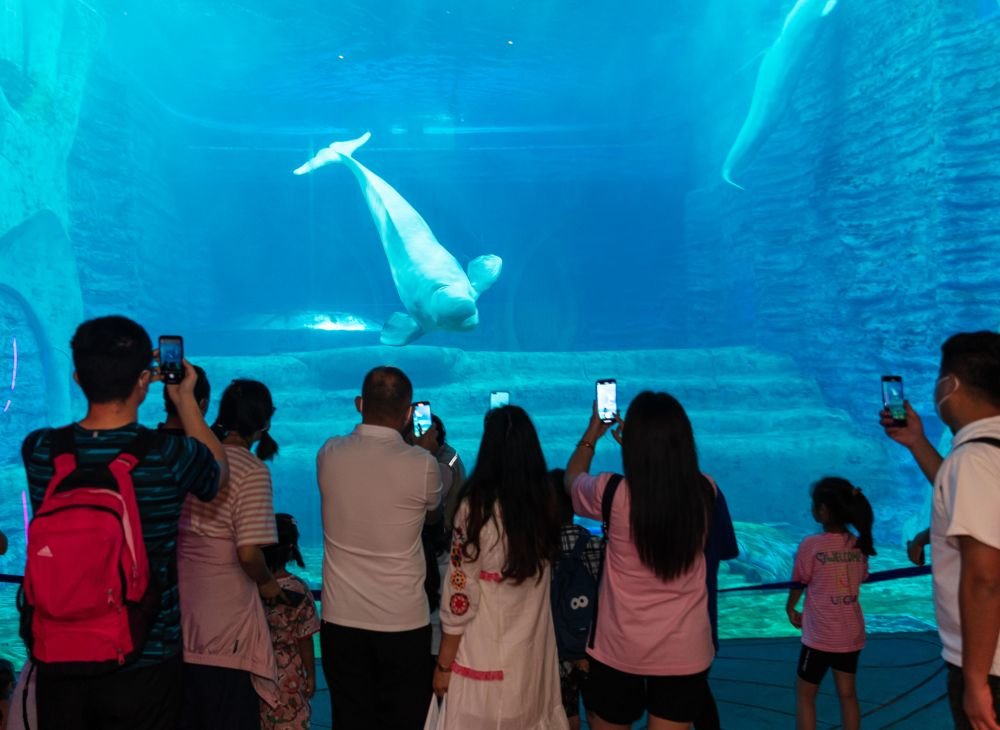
100,611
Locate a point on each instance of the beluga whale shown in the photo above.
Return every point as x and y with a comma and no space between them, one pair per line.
776,79
436,293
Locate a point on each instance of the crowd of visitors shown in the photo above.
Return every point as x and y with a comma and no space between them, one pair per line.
201,625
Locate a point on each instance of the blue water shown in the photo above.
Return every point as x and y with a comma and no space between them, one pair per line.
146,168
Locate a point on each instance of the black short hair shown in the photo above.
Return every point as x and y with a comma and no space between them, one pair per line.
109,354
202,392
441,433
974,358
386,393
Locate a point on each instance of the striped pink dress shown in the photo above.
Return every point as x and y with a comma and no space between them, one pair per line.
222,616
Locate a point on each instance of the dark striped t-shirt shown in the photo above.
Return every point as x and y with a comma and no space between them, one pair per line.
175,467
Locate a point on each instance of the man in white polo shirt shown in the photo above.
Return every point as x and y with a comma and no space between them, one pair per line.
965,527
376,491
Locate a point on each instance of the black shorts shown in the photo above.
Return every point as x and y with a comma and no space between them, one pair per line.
621,698
813,663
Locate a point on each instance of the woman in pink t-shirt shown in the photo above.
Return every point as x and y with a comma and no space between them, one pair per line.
653,643
831,567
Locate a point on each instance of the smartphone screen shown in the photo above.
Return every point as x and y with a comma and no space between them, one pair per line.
172,359
892,398
421,418
607,400
499,399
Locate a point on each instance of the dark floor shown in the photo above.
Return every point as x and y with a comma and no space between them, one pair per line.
901,684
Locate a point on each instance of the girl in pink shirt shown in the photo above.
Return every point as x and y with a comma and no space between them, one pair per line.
831,567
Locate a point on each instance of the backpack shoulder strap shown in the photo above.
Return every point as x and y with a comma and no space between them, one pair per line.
62,454
580,546
992,441
606,502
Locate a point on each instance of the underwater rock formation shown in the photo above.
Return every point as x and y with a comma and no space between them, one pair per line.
39,276
437,294
767,553
46,49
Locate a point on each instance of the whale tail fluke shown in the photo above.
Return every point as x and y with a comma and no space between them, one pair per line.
348,148
400,329
483,271
336,152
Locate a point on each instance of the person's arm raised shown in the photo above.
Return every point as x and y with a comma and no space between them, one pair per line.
913,438
583,455
193,421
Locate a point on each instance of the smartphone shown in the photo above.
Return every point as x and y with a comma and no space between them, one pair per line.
892,398
607,400
421,418
499,399
172,359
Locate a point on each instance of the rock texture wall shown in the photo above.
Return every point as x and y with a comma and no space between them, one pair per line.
868,231
46,47
136,254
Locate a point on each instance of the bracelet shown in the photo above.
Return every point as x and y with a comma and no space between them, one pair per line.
445,670
585,442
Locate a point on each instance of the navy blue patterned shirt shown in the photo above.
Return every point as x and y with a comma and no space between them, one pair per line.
175,467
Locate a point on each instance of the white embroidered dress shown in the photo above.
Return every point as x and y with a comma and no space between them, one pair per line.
506,673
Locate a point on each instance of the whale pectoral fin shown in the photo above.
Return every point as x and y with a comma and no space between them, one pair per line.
400,329
483,271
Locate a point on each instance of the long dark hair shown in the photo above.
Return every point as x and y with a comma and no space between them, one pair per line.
246,408
510,471
847,505
669,515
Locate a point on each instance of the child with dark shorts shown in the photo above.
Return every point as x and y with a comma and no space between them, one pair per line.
830,567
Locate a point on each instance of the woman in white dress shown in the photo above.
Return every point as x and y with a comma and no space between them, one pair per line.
498,663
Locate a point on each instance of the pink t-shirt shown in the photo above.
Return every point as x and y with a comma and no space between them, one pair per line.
832,569
645,625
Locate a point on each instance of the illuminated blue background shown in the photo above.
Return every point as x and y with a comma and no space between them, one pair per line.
146,169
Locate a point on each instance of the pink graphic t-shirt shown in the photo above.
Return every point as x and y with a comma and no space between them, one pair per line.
832,569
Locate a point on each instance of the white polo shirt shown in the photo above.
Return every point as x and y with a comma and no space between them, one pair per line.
375,491
966,503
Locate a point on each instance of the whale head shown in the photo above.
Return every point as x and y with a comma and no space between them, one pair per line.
451,308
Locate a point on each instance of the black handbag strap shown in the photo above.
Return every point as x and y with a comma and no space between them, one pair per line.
606,501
